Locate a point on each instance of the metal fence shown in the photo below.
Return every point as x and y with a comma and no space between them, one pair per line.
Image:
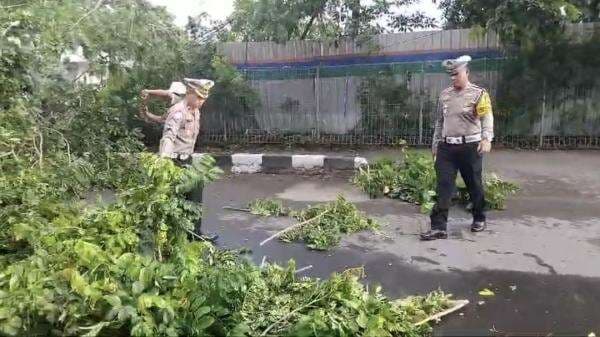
318,93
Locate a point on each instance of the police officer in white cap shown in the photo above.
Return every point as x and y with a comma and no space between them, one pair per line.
181,125
182,120
464,130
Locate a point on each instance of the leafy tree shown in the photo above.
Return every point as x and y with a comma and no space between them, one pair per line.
522,22
516,21
543,61
276,20
128,44
205,30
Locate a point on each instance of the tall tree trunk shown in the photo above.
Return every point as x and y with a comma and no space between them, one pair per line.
318,9
355,21
309,24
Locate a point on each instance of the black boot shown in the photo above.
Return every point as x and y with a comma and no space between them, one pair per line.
478,226
434,234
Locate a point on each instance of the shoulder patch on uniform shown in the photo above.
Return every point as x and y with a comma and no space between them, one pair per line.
484,104
477,86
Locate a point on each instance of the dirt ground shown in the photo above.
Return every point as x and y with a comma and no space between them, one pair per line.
541,256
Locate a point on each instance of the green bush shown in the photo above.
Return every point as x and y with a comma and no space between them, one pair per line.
414,181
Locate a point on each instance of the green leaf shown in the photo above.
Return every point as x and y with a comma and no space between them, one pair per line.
78,283
14,282
204,322
113,300
89,254
4,313
126,312
362,320
137,287
486,293
202,311
15,322
145,302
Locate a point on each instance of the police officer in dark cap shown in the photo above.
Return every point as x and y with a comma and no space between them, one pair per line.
464,130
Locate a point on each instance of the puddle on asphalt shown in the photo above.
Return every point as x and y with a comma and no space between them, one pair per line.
312,191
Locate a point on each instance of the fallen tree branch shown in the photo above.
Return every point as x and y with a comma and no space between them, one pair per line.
40,150
13,6
96,6
459,305
293,227
290,314
231,208
64,139
195,235
264,260
303,269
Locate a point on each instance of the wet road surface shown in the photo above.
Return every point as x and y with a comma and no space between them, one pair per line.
541,256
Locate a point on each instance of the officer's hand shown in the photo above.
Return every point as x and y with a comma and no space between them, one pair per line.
485,146
144,94
434,153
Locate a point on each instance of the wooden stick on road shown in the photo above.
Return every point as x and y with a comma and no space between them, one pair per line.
459,304
293,227
231,208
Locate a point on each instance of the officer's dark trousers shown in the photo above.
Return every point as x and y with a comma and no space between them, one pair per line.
450,159
195,195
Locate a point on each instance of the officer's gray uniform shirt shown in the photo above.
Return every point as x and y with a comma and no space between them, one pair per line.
463,113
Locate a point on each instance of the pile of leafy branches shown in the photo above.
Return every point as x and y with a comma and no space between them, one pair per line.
73,273
268,207
414,181
283,305
376,179
326,223
421,307
129,268
320,227
496,191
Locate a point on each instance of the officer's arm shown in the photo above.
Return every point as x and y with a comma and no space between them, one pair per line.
146,115
164,94
154,118
437,127
484,112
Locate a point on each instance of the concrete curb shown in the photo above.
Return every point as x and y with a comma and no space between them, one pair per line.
246,163
273,163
